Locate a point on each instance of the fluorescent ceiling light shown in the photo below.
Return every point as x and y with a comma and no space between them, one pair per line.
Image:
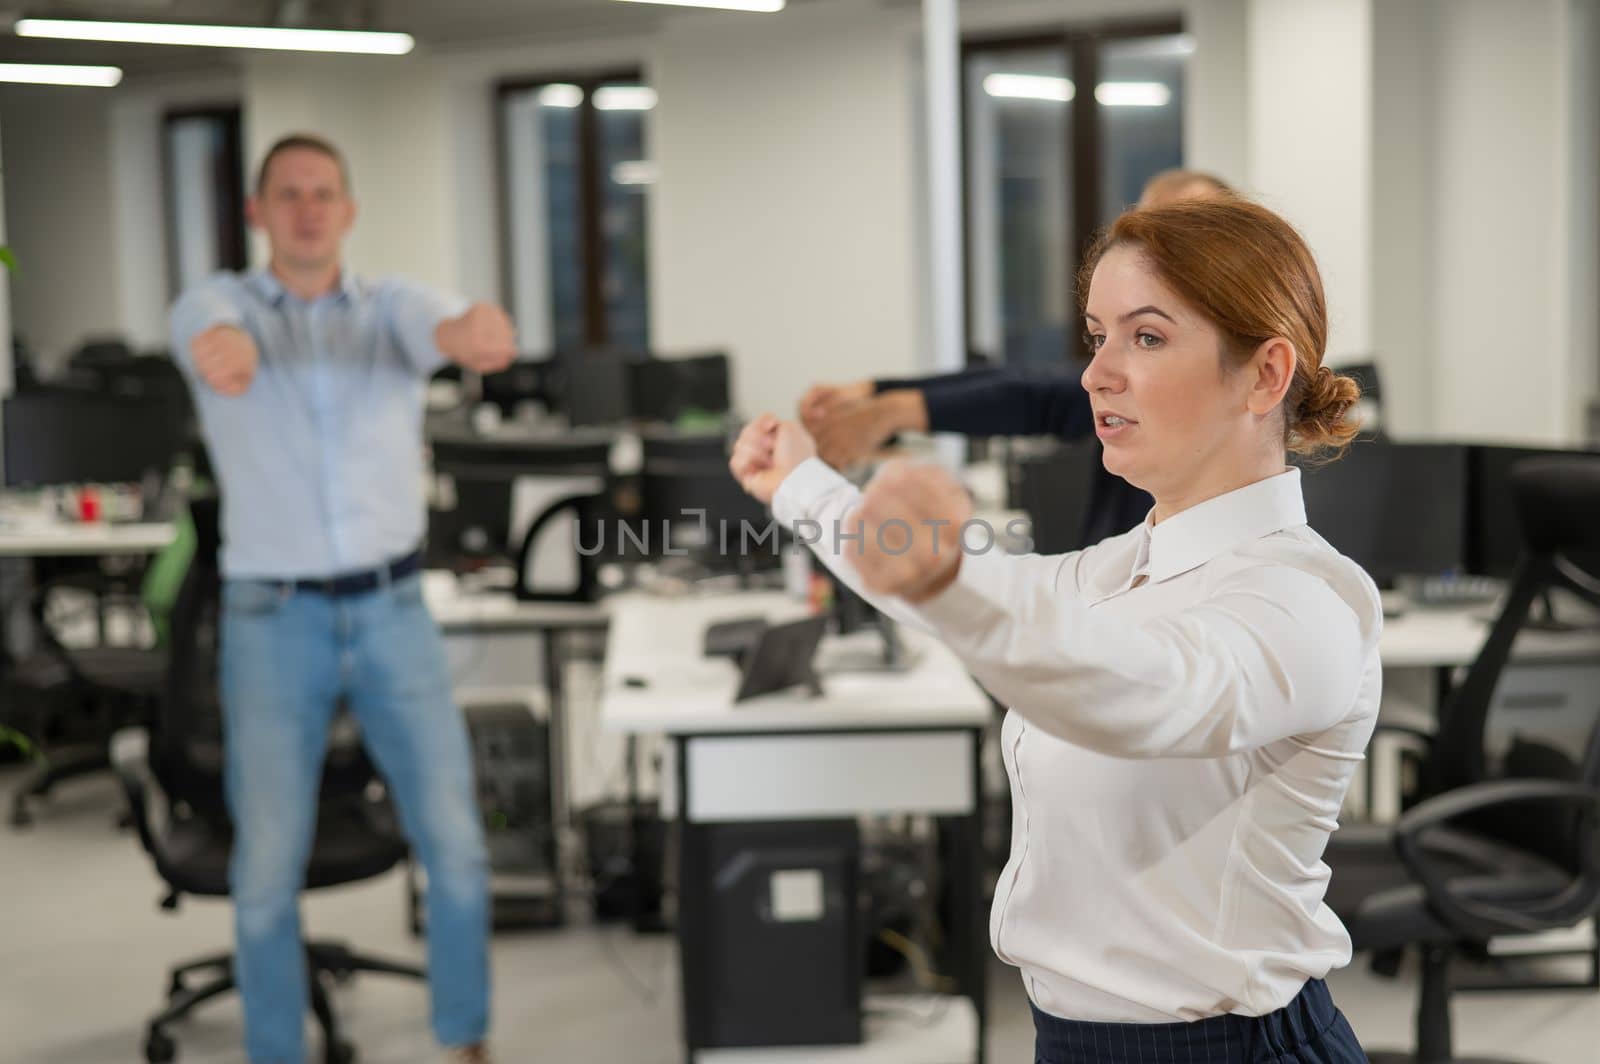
1060,90
1029,87
102,77
767,6
560,95
1133,94
624,98
218,36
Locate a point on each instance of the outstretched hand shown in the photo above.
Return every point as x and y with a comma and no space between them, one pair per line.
911,516
766,452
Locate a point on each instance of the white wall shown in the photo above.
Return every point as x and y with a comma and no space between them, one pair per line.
138,201
390,119
1582,204
1404,101
1310,144
785,224
1502,221
59,216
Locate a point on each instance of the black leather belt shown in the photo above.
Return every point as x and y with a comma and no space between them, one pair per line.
359,583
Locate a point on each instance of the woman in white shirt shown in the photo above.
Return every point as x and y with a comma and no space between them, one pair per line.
1188,699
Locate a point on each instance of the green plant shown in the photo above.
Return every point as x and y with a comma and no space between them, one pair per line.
12,737
8,257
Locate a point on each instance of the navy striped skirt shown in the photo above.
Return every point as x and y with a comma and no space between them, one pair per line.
1308,1030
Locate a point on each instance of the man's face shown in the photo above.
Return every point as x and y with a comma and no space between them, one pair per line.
304,209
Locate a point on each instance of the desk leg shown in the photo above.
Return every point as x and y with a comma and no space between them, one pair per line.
559,813
693,896
962,859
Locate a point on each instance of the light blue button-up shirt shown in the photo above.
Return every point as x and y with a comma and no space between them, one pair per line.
320,459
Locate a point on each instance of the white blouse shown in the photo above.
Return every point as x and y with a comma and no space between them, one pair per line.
1178,750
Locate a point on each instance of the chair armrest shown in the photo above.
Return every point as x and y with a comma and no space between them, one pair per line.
1481,918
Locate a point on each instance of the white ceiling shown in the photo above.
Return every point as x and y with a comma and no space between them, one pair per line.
442,23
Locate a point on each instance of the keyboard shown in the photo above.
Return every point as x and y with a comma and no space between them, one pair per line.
1444,591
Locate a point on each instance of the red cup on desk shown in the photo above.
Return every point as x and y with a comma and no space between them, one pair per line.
89,504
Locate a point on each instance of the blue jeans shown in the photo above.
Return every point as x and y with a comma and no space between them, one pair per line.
286,657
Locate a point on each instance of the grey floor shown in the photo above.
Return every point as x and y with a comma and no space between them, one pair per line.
84,950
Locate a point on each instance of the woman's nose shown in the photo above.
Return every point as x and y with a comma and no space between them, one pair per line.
1100,375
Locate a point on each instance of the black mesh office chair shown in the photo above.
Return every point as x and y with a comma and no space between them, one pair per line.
1508,842
190,837
71,699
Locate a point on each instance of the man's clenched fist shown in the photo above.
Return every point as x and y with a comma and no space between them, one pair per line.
911,518
482,340
225,357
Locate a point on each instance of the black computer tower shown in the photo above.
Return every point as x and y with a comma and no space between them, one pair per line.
513,763
773,953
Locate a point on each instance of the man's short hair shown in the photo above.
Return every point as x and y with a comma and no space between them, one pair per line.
309,141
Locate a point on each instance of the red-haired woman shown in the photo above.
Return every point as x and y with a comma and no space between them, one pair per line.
1188,699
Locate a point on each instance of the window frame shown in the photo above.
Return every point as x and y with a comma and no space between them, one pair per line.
1080,42
232,235
596,330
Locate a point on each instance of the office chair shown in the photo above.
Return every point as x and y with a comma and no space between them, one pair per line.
82,695
180,761
1508,841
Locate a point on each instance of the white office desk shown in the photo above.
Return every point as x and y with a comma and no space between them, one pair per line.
1445,637
457,610
904,742
94,538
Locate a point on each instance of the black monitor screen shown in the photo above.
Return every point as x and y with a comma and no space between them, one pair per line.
1396,509
666,389
68,437
735,525
1494,537
1055,490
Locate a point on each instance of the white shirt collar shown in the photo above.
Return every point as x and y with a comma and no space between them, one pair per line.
1229,521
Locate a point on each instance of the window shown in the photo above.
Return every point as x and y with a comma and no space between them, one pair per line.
204,168
1047,165
575,181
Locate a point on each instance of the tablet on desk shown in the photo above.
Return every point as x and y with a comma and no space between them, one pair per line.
781,658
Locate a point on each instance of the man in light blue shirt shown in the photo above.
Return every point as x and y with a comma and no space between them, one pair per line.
309,384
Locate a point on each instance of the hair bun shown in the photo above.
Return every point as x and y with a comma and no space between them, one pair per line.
1324,420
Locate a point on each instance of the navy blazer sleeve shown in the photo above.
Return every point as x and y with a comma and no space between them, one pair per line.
1004,401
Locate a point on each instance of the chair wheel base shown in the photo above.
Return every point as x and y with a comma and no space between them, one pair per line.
340,1053
159,1049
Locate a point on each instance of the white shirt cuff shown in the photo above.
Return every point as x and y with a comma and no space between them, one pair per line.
803,489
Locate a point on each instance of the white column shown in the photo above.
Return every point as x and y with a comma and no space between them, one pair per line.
941,48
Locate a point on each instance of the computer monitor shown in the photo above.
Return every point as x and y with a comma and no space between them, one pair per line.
525,380
1494,540
734,534
666,389
73,437
1055,490
1396,509
483,475
597,387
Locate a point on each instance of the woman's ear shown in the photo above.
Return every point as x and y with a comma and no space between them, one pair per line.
1273,365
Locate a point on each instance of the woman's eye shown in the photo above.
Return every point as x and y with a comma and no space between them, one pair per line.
1148,340
1093,341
